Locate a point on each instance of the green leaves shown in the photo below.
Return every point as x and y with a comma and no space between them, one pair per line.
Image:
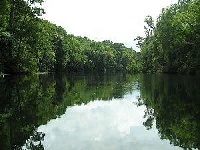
172,46
36,45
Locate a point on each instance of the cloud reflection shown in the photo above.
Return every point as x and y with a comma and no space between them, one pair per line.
102,125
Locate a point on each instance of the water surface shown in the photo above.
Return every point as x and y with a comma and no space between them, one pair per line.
87,112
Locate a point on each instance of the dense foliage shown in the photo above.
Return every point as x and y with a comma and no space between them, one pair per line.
30,44
172,45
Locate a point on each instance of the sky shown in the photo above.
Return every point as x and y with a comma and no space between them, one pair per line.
117,20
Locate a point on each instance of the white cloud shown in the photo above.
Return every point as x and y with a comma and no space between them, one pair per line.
116,20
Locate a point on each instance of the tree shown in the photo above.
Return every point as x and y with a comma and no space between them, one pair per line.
171,45
17,22
150,26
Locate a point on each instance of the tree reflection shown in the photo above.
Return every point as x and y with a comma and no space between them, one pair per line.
26,102
174,103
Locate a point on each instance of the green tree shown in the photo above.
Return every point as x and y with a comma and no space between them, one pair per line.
172,46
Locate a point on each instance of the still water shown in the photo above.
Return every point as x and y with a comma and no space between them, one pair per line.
100,112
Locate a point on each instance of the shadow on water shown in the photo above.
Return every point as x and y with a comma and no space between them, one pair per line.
173,101
26,102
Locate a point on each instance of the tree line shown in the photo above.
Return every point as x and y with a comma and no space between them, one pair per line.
172,45
29,44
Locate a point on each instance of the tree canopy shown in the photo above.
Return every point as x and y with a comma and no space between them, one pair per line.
30,44
172,46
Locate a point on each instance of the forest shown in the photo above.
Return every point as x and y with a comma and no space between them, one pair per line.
172,43
29,44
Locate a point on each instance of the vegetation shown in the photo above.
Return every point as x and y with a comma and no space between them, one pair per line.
172,45
29,44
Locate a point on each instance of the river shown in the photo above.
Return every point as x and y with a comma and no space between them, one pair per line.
100,112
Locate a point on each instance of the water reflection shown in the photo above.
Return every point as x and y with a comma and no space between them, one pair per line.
116,124
174,103
99,112
30,101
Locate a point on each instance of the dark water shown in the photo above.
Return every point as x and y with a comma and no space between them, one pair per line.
100,112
